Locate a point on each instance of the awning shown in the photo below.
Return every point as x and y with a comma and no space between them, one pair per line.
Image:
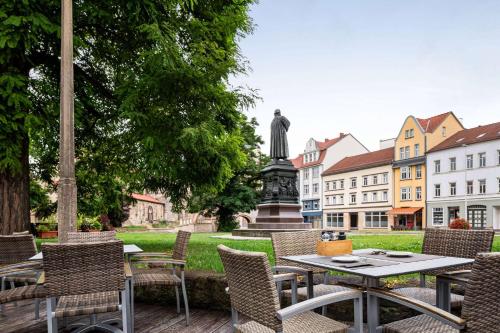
404,211
312,213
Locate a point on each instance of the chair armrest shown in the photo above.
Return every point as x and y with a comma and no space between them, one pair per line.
152,254
41,278
425,308
161,261
291,269
464,271
317,302
284,277
127,269
33,265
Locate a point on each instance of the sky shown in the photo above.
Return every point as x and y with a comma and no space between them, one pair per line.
363,66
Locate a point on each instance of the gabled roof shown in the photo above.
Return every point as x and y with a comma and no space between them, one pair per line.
145,197
470,136
362,161
429,125
298,162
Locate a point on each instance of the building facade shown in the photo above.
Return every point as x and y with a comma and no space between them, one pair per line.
416,137
146,209
358,191
464,171
317,157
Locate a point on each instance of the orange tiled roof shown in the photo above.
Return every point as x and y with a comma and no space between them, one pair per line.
145,197
430,124
298,162
470,136
362,161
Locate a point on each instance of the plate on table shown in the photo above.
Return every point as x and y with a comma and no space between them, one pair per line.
346,259
399,254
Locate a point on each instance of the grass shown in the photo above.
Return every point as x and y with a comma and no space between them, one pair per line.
202,251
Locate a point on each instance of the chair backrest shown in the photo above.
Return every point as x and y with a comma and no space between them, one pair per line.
81,268
16,248
481,306
181,245
294,244
457,242
251,286
86,237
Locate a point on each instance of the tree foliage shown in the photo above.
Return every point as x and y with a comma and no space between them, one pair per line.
153,107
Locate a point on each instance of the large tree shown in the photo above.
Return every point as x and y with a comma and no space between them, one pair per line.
153,108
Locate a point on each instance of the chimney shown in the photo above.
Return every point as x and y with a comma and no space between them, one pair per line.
326,139
341,134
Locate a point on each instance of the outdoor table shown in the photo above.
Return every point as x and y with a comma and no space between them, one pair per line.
443,285
128,249
381,266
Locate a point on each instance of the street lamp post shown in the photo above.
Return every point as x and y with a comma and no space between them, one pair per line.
66,196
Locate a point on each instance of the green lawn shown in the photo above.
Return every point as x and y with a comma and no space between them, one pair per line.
202,252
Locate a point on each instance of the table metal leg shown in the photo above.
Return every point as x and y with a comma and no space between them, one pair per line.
310,285
443,294
372,307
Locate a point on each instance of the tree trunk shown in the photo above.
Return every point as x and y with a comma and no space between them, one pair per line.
14,197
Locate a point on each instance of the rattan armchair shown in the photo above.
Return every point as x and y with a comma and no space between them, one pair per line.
88,237
480,312
451,243
301,243
85,279
253,293
156,275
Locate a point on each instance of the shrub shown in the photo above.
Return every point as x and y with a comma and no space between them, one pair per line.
85,223
459,223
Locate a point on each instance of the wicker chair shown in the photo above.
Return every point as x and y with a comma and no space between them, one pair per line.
152,276
480,312
451,243
253,293
86,279
89,237
301,243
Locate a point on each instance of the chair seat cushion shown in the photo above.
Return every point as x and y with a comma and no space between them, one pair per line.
87,304
319,290
156,279
428,295
307,322
21,293
418,324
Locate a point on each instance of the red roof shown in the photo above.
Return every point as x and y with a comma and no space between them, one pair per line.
430,124
362,161
145,197
298,162
470,136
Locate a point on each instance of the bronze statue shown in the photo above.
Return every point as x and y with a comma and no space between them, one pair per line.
279,143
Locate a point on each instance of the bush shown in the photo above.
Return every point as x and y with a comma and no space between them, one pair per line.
48,223
85,223
459,223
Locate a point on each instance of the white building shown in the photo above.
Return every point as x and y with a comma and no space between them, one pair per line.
358,191
317,157
464,171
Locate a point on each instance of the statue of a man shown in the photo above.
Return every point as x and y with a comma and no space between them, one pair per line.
279,143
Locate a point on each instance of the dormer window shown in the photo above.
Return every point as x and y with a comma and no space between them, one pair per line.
443,131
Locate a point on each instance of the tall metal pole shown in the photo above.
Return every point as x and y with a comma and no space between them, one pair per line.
66,199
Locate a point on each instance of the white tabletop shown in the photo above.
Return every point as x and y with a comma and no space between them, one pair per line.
384,271
127,249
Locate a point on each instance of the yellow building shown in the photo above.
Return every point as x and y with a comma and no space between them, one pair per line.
415,138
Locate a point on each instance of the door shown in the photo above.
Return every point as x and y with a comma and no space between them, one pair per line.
496,223
354,220
477,216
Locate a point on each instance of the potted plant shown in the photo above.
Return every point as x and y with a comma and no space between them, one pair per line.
459,223
47,228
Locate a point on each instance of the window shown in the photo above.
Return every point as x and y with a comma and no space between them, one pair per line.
453,164
335,220
375,180
405,193
306,189
417,150
307,205
437,190
365,181
353,198
407,152
418,171
334,200
409,133
365,197
375,220
327,200
341,184
498,157
306,174
374,197
334,185
437,216
401,153
482,160
453,213
453,189
498,180
384,196
405,172
437,166
353,182
316,204
443,131
418,193
327,186
470,187
482,186
341,199
315,188
315,172
385,178
470,161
